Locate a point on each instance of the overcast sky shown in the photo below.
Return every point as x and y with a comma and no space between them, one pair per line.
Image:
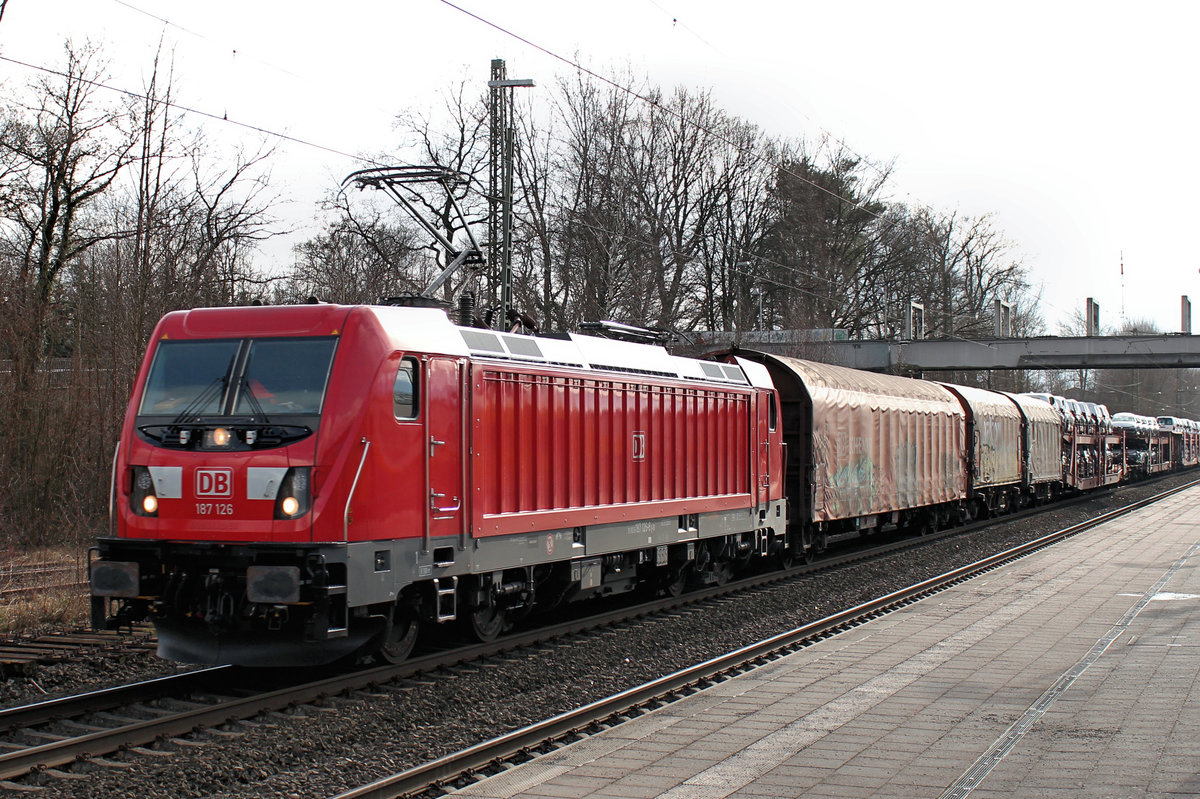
1074,123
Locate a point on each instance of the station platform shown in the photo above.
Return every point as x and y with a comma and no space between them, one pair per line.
1069,673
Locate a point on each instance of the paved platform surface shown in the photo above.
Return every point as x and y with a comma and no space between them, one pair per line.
1070,673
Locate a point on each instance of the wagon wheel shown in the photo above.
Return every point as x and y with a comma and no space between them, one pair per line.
401,634
785,558
804,541
821,542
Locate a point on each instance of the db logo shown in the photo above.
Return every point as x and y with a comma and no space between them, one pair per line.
214,482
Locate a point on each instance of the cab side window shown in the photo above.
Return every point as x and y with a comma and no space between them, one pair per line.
772,413
405,391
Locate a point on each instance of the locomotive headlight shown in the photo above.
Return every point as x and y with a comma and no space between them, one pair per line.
217,437
143,499
295,493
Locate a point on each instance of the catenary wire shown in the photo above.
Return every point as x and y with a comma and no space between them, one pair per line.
266,131
196,111
675,21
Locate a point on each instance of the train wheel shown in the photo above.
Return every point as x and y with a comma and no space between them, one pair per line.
401,635
676,584
821,543
806,546
722,572
488,622
711,568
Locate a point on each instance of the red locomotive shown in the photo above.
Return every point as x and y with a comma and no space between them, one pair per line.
298,484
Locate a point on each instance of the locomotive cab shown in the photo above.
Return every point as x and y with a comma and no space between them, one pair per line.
213,491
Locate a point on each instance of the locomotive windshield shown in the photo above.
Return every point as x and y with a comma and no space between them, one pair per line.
251,377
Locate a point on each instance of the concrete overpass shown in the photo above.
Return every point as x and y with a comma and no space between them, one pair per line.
1172,350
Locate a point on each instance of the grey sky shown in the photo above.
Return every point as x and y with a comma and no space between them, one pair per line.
1074,123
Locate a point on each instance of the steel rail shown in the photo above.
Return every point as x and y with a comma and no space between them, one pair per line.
142,733
38,570
6,593
494,753
14,718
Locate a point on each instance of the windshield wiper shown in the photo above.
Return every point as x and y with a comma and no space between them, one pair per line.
192,412
256,410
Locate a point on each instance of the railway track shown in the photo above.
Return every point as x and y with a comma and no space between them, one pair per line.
47,736
16,580
21,656
26,591
145,719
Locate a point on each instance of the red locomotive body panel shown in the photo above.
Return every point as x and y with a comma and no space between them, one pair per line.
550,447
558,449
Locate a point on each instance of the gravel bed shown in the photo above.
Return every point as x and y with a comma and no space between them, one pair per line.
321,752
93,670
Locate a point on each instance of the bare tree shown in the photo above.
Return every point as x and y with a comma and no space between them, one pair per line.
732,261
356,260
59,154
830,240
595,238
110,216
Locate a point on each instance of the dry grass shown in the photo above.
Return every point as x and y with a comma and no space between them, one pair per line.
48,606
45,611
